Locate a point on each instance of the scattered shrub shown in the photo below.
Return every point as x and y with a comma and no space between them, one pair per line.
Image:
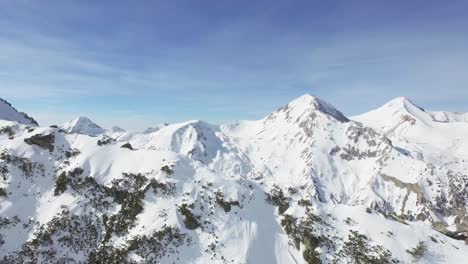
276,197
304,231
162,188
226,205
150,248
292,190
8,131
311,256
129,192
24,164
289,226
109,255
71,234
60,184
3,171
304,202
72,153
191,220
349,221
123,220
419,251
66,178
6,222
94,194
357,250
105,140
3,192
167,170
131,182
75,172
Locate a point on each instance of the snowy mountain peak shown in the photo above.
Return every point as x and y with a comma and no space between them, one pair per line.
82,125
403,103
400,100
9,113
394,113
307,104
153,129
117,129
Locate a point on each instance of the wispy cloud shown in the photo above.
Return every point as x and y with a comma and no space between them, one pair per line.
222,61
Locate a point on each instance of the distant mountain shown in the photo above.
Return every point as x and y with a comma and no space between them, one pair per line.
82,125
117,129
305,184
8,112
150,130
436,137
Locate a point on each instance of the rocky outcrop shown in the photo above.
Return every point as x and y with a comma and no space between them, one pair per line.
43,141
127,146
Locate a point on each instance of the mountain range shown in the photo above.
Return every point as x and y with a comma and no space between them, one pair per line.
305,184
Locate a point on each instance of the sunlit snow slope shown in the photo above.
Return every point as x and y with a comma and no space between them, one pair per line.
305,184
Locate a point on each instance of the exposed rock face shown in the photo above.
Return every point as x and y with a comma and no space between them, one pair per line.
127,146
43,141
105,140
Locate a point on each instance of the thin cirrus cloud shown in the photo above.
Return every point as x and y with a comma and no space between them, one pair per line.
156,62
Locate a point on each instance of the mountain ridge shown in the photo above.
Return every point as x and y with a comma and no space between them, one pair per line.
298,186
8,112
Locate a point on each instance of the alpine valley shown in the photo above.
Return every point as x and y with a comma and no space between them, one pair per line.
305,184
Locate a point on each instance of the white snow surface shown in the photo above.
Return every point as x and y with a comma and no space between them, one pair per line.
436,137
7,112
383,175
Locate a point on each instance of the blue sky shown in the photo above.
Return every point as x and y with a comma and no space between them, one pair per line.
140,63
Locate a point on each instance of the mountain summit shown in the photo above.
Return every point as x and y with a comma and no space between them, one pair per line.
307,103
307,107
82,125
395,112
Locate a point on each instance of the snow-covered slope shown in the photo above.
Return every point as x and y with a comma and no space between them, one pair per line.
443,116
305,184
8,112
436,137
